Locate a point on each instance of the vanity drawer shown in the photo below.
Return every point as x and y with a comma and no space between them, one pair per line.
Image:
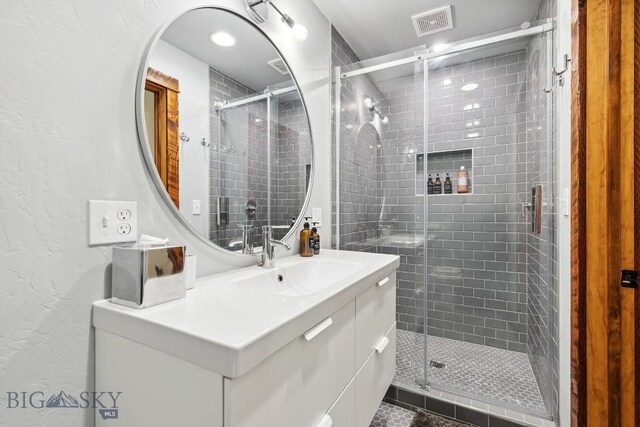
343,411
374,378
375,313
298,384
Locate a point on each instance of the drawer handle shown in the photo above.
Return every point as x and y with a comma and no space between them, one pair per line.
383,281
326,421
315,331
382,344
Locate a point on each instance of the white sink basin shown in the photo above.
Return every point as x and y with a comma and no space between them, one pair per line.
300,278
230,322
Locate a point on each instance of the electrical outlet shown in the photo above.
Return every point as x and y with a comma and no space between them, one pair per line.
124,228
196,207
124,214
112,222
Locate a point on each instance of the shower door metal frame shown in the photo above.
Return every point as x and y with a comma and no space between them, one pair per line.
539,29
546,27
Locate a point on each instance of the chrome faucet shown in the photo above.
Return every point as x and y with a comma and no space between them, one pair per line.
269,245
246,241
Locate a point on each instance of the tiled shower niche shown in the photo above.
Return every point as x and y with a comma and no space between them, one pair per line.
443,163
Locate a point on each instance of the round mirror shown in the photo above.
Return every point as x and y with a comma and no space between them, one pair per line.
224,129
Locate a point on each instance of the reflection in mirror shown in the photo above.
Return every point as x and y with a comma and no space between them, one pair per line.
227,129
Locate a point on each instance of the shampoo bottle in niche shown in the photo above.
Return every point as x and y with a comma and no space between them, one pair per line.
463,180
316,239
437,186
430,185
305,240
447,185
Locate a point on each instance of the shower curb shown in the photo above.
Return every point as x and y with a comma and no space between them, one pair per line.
413,400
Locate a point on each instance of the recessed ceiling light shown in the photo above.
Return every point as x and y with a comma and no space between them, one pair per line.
446,82
473,106
257,120
469,87
473,135
222,39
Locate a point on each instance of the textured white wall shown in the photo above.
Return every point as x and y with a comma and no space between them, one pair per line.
193,105
67,135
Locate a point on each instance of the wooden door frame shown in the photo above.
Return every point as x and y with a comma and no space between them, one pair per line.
605,149
166,115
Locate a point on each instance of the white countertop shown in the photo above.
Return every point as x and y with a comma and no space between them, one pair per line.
230,322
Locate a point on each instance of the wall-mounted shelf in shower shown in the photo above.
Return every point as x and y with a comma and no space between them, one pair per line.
441,163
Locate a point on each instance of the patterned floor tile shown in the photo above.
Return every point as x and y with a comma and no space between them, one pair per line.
490,373
392,416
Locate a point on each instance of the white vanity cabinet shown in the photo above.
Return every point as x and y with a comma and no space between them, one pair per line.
332,374
299,384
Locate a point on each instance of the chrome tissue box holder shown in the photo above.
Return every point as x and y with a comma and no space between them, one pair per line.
144,276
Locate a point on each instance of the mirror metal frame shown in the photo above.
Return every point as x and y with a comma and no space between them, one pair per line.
143,138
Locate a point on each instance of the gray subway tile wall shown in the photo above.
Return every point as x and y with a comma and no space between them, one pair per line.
238,140
358,151
542,295
476,272
238,165
238,168
292,159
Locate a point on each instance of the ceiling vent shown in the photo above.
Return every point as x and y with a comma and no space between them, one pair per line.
433,21
279,65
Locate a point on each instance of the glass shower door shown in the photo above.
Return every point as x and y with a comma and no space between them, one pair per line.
487,307
380,186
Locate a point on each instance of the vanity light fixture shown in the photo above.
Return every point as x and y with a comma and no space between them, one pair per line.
222,39
469,87
258,11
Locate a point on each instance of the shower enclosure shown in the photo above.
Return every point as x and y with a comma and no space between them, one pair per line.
260,163
476,283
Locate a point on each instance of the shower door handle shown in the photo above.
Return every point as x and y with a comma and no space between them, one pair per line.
536,209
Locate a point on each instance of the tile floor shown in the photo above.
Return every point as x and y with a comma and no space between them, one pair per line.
475,370
391,416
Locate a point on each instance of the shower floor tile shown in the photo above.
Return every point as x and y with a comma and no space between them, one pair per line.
473,370
392,416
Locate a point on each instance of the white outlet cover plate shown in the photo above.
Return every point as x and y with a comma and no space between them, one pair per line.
316,214
106,218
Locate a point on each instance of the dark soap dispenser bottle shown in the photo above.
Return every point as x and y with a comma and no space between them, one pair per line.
437,186
430,185
305,240
448,185
316,239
